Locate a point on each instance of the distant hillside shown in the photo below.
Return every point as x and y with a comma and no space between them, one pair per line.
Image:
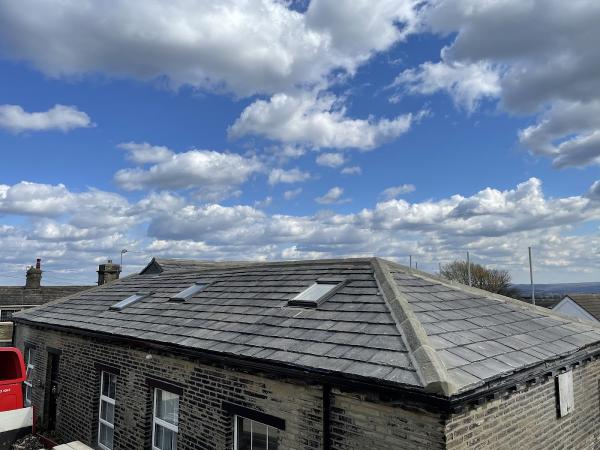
558,289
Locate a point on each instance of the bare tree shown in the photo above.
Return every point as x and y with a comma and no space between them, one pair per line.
492,280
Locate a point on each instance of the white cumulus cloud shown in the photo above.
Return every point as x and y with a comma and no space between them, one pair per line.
292,194
395,191
144,153
195,169
317,121
332,196
60,117
290,176
331,159
466,83
253,46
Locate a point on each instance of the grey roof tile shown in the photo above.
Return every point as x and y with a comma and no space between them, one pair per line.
244,312
452,360
466,354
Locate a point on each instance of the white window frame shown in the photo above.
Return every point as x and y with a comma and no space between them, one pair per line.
252,421
161,422
29,371
112,401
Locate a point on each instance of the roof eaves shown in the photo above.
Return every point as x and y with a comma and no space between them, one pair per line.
430,367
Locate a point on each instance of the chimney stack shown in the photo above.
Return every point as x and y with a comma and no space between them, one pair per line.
33,278
108,272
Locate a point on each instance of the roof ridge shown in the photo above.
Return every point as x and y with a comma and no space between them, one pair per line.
498,297
225,265
430,368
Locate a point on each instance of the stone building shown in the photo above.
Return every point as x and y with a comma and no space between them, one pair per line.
17,298
332,354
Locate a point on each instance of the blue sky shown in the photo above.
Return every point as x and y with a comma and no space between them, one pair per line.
258,130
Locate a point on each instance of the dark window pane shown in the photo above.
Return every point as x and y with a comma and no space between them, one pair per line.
273,439
259,436
244,436
107,412
164,439
106,436
167,406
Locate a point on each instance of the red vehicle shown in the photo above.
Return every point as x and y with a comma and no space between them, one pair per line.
12,375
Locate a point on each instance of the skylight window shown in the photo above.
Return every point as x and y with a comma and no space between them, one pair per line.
188,292
316,293
130,300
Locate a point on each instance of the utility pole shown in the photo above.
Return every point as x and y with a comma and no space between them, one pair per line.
440,268
122,253
469,269
531,278
417,265
410,261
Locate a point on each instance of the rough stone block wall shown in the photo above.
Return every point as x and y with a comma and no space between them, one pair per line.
358,424
203,423
529,419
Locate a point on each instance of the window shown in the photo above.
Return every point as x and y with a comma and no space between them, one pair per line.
253,435
316,293
165,420
566,399
29,373
188,292
6,314
106,422
130,300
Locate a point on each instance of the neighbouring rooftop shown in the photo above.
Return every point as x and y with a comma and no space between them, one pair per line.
384,322
590,303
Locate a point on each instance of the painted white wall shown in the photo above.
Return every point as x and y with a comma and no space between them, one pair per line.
569,308
16,419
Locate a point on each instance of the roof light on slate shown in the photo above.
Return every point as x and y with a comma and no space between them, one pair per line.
130,300
316,293
188,292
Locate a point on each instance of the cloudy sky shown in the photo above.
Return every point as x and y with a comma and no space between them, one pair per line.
265,129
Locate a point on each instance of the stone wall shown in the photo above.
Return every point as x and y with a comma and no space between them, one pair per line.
6,329
528,419
357,422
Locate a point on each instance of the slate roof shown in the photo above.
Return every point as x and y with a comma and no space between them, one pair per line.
159,265
19,295
388,324
589,302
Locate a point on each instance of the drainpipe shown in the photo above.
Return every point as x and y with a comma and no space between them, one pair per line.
326,417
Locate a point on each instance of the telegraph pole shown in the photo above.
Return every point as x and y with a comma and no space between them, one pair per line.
469,269
531,278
